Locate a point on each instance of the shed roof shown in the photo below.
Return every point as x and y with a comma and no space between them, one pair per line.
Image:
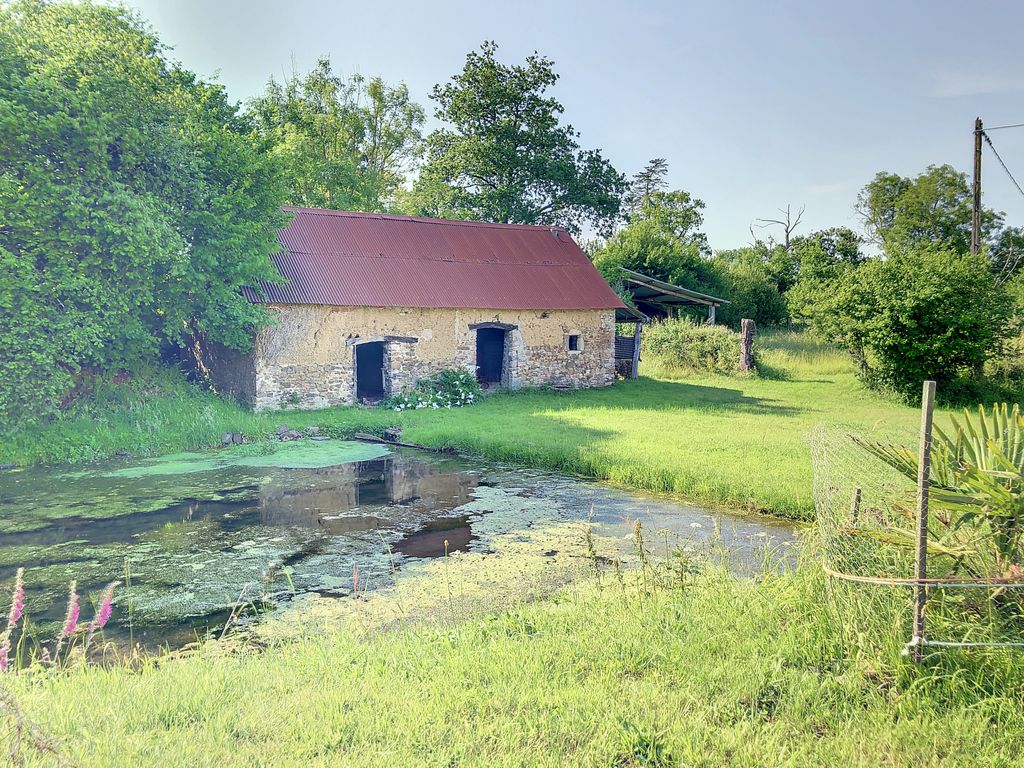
375,260
652,291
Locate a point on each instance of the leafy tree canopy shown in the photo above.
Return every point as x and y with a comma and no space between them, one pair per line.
820,253
819,258
1007,252
662,240
133,206
505,156
646,182
342,144
769,257
751,291
935,206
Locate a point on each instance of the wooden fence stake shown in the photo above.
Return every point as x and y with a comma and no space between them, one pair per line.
855,506
747,331
636,351
924,461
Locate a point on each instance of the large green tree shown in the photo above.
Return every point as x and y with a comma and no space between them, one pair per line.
645,182
504,155
662,240
934,206
133,206
750,282
819,258
342,144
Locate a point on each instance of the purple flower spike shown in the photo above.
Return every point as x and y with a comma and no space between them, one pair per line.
106,608
71,619
17,600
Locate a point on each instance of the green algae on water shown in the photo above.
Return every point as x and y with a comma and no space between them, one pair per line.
297,454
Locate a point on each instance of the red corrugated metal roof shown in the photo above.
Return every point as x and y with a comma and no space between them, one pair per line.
374,260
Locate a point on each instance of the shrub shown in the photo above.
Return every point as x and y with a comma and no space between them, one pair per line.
450,388
681,343
133,204
924,313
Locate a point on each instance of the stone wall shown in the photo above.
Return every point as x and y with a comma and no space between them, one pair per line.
232,372
306,358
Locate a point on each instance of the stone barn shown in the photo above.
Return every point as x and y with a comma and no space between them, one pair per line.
370,304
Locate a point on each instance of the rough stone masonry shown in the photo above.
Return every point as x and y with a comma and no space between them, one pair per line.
306,357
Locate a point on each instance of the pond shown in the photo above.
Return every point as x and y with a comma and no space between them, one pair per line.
192,535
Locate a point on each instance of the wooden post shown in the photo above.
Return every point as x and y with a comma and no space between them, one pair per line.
924,462
976,189
636,350
855,506
711,314
747,331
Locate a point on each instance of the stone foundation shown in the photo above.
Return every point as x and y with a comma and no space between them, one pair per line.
306,358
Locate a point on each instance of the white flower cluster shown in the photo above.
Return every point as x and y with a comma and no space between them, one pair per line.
449,389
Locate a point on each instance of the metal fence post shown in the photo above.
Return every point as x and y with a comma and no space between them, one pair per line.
921,562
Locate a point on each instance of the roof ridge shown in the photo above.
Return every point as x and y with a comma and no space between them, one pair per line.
420,219
457,259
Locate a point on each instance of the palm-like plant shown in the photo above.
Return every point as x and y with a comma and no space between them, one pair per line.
976,490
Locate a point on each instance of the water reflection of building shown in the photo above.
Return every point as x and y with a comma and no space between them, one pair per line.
371,491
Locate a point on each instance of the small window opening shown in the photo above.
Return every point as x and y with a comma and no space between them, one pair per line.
574,342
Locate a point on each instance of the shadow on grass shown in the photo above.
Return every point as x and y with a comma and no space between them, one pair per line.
657,394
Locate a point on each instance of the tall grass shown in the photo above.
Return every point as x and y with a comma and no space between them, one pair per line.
695,667
155,415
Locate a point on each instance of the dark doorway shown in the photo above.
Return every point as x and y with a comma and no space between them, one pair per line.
370,371
490,355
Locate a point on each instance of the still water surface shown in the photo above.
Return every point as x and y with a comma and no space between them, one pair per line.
195,534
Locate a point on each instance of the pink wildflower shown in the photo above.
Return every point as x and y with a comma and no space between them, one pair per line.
106,608
17,600
5,652
71,618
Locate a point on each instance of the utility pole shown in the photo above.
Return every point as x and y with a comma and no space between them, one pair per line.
976,204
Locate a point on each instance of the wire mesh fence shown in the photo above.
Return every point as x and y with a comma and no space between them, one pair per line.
868,508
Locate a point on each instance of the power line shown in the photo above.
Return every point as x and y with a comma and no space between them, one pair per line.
1001,127
994,152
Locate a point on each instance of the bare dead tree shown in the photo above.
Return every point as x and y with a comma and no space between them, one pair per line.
756,241
789,223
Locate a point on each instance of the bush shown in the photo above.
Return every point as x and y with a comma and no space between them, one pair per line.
924,313
682,344
133,204
450,388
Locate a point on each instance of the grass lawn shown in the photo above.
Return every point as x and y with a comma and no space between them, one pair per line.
731,441
716,671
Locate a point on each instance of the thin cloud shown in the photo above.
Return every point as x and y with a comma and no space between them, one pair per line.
951,85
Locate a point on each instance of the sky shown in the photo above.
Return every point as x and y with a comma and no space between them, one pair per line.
754,104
